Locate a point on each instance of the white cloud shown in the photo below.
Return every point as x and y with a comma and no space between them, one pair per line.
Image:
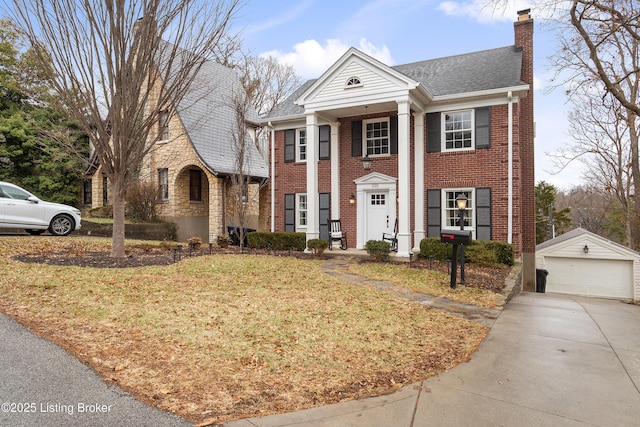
310,59
483,11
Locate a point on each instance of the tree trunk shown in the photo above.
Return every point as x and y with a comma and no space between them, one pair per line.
117,243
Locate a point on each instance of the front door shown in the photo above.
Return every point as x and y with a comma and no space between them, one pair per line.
378,215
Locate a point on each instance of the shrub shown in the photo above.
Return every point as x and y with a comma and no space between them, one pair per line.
482,252
195,242
224,241
278,241
318,246
141,201
101,212
432,246
378,249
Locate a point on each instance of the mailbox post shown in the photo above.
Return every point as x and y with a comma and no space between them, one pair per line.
456,238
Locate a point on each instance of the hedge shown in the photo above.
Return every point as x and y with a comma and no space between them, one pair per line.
483,252
279,241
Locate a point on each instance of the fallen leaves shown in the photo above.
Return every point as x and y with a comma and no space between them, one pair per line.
224,336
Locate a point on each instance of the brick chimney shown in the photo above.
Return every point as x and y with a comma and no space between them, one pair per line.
523,32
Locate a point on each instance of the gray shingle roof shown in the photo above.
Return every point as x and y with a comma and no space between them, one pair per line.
470,72
208,116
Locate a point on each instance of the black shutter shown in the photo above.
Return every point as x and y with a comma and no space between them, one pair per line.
433,133
324,214
393,134
483,127
290,145
289,212
324,142
434,215
356,138
483,213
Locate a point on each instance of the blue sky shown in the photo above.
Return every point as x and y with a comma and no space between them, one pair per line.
312,34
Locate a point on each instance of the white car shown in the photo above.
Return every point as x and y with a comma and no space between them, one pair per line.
21,209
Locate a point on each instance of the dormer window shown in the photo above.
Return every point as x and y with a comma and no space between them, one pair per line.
353,82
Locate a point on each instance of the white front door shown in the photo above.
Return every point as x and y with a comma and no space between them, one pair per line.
378,215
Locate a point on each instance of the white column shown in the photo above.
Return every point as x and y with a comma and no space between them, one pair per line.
335,171
418,197
313,223
404,180
510,172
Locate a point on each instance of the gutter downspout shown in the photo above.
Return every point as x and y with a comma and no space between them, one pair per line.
272,172
510,172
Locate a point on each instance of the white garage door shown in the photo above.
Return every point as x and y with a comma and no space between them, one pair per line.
590,277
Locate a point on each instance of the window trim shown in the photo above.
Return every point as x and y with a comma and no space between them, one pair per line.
470,213
298,211
163,184
299,145
163,125
353,82
443,130
365,149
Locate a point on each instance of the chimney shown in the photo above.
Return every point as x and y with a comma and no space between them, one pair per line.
524,15
523,34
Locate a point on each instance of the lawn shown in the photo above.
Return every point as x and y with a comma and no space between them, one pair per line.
222,337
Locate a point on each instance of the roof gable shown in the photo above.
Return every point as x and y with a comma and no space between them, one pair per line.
208,117
375,79
578,238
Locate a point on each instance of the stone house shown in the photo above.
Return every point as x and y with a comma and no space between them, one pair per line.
431,130
195,157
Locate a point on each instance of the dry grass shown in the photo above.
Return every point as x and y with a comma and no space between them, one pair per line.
427,282
225,336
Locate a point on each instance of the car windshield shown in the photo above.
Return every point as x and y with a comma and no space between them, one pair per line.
15,193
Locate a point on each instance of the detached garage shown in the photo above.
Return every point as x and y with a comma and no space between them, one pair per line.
582,263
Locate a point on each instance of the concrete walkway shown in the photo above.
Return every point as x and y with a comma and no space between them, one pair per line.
549,360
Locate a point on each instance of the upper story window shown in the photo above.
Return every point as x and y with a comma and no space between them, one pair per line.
163,184
163,125
353,82
376,137
452,214
301,145
458,130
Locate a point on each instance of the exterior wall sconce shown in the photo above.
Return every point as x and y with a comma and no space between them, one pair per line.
586,249
352,199
366,162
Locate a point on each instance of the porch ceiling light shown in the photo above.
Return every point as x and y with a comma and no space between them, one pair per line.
366,162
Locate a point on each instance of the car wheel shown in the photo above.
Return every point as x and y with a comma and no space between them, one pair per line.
61,225
35,232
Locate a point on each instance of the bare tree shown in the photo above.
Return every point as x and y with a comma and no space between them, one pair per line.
117,65
240,179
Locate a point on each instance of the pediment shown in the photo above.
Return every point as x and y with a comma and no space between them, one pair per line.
376,178
356,76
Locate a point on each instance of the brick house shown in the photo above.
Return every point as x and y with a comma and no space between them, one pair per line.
194,158
432,130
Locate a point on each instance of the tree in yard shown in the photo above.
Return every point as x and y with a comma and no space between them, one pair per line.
602,131
118,66
29,125
599,53
545,197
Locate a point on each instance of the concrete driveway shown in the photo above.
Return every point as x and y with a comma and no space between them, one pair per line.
549,360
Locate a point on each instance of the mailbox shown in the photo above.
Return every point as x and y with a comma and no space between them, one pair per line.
456,237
